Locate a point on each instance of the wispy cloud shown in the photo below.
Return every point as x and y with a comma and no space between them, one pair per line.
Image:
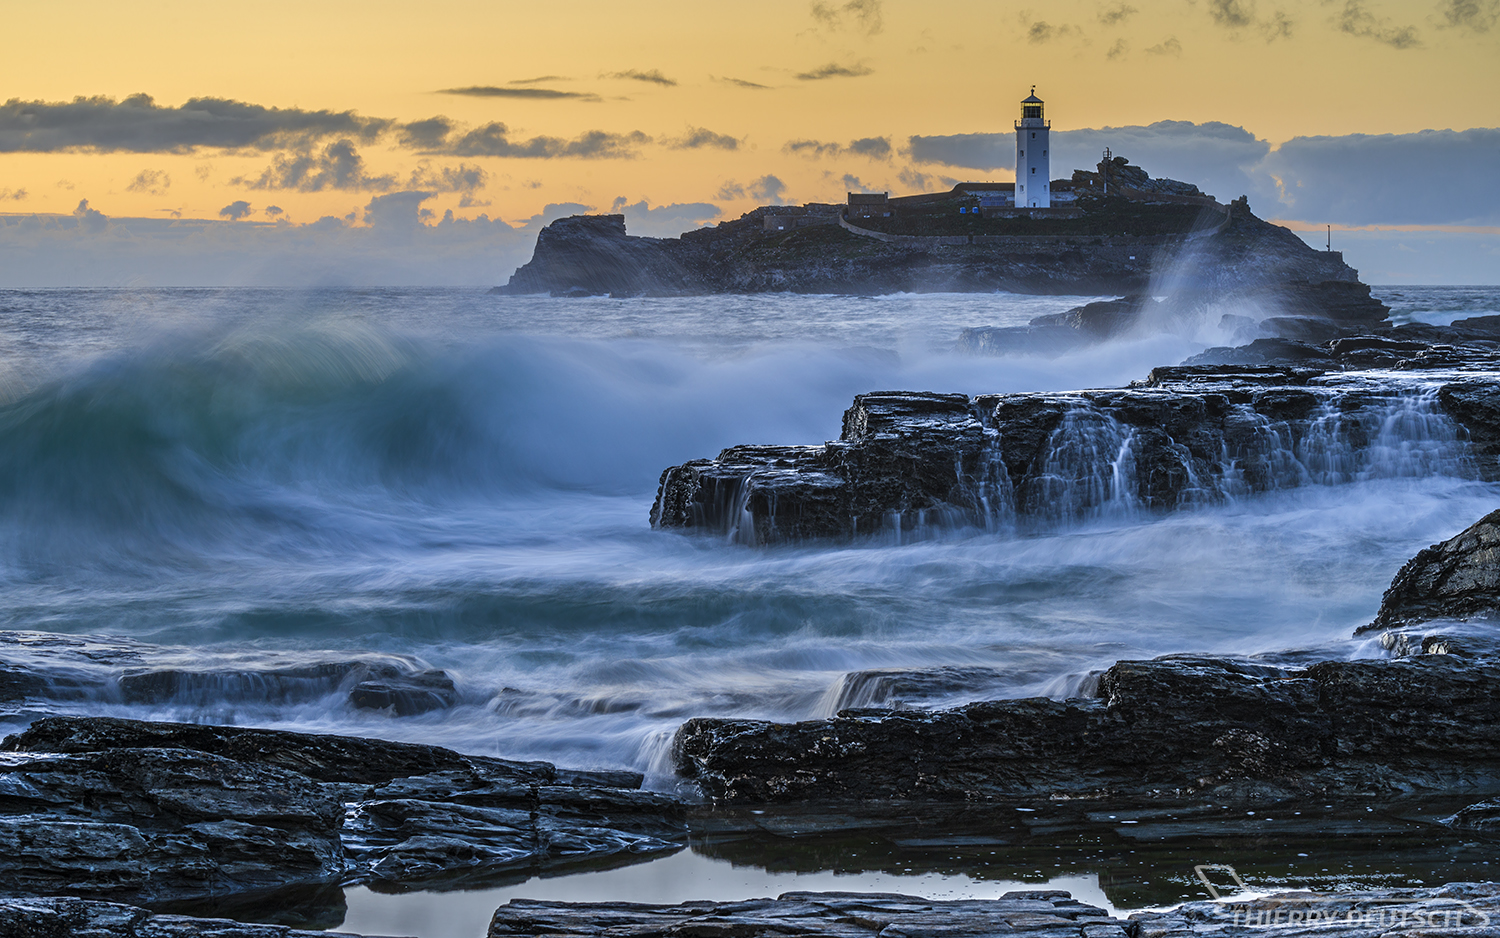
862,16
538,80
698,138
1168,46
534,94
12,195
1476,15
1238,16
654,76
742,83
1116,14
1356,20
875,148
138,124
494,139
150,182
835,70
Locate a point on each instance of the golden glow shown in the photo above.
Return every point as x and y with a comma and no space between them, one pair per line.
936,67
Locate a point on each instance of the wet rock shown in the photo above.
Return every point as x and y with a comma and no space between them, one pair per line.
1189,435
325,758
1039,913
148,811
1457,578
1175,724
157,823
1454,909
66,917
1266,351
406,695
902,688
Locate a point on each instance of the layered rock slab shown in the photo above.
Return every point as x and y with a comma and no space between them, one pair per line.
55,917
1179,725
1457,578
150,811
1041,914
1185,436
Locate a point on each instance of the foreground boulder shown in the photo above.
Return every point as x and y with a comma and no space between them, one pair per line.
1456,579
102,807
1185,436
1041,914
66,917
1455,909
1177,725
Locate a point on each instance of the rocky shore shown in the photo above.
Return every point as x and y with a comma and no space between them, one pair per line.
114,827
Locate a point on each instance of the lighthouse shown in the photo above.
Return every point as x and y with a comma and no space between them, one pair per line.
1032,187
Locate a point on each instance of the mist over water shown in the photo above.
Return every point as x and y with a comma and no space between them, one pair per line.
247,480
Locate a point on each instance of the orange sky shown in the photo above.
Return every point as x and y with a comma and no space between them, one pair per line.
932,67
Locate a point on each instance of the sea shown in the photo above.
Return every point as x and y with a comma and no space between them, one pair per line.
241,480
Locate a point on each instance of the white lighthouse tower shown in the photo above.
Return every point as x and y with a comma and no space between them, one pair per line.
1033,188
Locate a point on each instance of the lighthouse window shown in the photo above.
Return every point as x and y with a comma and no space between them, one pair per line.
1033,170
1033,136
1044,152
1023,152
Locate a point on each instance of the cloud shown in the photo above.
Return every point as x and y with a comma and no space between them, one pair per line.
730,191
150,181
1238,15
1476,15
664,221
1119,49
1041,31
88,218
767,188
854,184
924,182
875,148
12,195
742,83
1233,14
654,77
1116,14
835,70
862,16
976,151
460,178
139,125
1355,20
275,210
398,212
538,79
1169,46
535,94
234,211
494,140
1431,177
697,138
429,134
338,166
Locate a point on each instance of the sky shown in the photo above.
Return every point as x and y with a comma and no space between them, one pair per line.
318,142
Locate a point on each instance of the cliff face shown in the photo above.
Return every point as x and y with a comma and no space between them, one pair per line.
1106,252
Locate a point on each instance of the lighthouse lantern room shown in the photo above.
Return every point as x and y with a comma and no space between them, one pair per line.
1033,190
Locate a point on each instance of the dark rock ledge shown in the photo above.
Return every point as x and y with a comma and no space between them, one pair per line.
1185,436
65,917
146,812
1457,909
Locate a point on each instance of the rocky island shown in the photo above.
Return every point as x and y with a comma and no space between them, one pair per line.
1123,233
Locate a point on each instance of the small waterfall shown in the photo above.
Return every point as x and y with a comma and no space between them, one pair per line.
993,492
741,519
1089,470
1408,436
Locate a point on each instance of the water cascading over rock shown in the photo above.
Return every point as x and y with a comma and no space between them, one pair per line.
910,462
